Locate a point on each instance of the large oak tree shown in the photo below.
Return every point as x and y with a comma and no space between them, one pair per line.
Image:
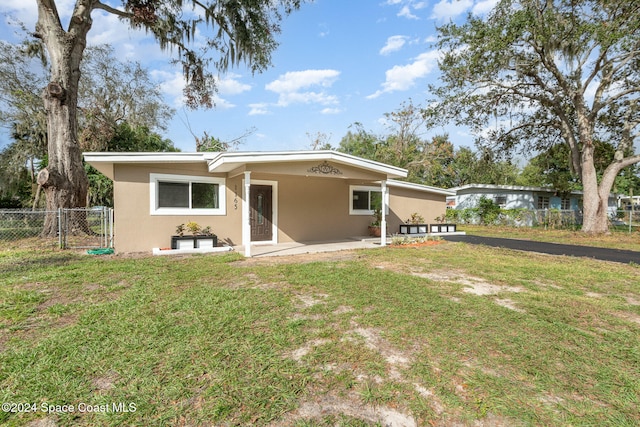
238,31
537,73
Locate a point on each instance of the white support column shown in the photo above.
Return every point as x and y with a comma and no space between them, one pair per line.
246,217
383,223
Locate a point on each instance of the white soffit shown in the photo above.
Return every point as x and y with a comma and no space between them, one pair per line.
420,187
104,161
222,162
226,162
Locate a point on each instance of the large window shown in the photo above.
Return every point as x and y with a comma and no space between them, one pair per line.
364,200
183,194
543,202
500,201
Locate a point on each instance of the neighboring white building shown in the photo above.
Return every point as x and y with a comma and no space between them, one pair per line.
519,197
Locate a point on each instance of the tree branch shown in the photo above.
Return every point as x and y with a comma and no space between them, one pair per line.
112,10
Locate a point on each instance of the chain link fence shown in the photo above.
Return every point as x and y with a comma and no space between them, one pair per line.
547,218
79,228
628,218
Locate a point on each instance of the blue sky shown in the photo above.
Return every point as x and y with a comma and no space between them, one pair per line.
339,62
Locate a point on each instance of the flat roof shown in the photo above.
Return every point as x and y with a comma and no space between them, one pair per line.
420,187
228,161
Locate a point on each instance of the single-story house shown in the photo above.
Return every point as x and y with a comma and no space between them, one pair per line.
513,197
250,198
519,197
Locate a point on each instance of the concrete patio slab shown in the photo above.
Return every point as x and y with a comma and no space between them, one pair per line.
297,248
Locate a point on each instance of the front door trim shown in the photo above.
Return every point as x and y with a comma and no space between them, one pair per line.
274,196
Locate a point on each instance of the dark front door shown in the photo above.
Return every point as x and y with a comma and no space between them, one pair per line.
261,212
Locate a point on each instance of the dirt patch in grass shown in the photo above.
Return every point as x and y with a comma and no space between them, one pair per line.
106,382
507,303
473,285
307,301
632,317
395,358
350,406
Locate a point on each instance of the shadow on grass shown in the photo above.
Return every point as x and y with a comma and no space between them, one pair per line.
21,263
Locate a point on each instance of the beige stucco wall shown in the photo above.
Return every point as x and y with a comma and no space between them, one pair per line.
317,208
404,202
308,207
136,230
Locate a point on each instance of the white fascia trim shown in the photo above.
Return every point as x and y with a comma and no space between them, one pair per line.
218,160
504,187
112,157
420,187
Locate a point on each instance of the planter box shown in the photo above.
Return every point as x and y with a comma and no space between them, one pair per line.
192,242
443,228
414,228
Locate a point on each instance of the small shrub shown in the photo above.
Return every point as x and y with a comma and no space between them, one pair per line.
415,218
488,210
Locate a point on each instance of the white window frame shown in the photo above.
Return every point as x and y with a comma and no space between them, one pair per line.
154,178
500,200
542,201
368,188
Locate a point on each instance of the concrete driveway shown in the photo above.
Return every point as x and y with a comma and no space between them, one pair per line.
604,254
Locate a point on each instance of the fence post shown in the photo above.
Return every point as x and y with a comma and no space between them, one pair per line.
103,227
631,209
111,227
60,228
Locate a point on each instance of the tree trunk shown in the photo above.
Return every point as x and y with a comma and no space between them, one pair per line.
594,209
64,181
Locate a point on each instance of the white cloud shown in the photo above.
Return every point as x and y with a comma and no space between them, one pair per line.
230,85
405,12
289,87
172,85
259,109
324,30
484,7
296,80
407,7
450,9
321,98
394,43
331,111
403,77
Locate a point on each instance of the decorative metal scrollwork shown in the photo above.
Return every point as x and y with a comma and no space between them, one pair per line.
325,168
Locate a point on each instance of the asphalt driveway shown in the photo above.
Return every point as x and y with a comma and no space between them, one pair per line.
604,254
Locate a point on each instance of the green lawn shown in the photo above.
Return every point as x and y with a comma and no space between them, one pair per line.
442,335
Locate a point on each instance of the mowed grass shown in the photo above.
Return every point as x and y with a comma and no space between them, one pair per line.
442,335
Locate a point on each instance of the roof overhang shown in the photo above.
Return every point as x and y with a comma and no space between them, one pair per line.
226,162
512,188
104,161
420,187
230,161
